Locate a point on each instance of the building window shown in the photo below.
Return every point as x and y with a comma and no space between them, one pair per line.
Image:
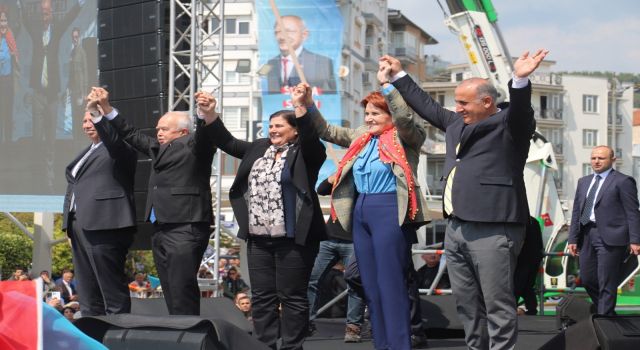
589,138
236,26
235,117
233,77
438,96
590,103
459,77
586,169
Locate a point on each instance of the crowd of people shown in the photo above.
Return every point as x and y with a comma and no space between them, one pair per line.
377,206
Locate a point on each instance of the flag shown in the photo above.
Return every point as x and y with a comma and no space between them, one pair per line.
26,322
546,219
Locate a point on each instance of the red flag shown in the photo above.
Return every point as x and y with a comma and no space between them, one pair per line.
21,314
547,219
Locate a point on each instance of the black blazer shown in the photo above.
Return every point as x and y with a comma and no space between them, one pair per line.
179,189
103,187
303,161
616,210
318,70
488,184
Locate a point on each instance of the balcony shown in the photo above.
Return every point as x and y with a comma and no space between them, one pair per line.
618,119
406,54
557,148
546,79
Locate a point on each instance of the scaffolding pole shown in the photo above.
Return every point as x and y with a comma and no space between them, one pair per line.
196,56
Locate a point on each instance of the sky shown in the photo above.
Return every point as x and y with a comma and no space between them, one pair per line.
585,35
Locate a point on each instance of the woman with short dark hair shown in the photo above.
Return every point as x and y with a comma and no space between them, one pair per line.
278,213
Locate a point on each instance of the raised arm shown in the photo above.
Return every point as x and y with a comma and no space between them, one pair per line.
308,138
216,132
420,101
302,99
520,120
118,149
118,125
409,130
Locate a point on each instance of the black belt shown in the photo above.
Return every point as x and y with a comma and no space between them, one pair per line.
590,224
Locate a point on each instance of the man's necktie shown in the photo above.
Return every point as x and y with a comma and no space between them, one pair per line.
44,79
448,188
285,62
588,205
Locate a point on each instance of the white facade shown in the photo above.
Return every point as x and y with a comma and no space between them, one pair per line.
588,109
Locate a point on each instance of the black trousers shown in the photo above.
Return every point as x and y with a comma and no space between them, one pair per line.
99,259
177,253
279,271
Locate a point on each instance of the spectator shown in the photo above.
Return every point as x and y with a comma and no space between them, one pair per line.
68,313
16,274
428,272
140,287
55,303
233,284
222,267
65,285
47,282
243,303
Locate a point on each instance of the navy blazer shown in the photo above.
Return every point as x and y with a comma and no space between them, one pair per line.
616,210
303,162
488,185
103,187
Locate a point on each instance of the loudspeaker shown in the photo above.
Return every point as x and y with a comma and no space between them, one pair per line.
131,20
143,112
599,333
135,82
439,312
572,309
131,51
222,308
618,332
126,331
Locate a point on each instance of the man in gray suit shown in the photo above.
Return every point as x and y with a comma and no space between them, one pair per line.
318,69
605,227
485,200
99,218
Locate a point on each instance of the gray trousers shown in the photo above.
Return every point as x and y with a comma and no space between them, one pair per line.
481,260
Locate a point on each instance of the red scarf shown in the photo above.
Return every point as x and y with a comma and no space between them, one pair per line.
390,152
11,43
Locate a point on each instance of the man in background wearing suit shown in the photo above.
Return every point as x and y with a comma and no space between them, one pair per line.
605,228
484,198
99,218
78,84
318,69
179,197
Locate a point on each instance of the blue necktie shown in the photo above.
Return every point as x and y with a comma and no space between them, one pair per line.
152,216
585,217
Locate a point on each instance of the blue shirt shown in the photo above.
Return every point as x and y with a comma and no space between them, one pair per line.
5,58
370,174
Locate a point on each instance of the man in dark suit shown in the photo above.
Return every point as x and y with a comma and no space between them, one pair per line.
179,197
605,227
67,288
318,69
44,77
99,218
485,199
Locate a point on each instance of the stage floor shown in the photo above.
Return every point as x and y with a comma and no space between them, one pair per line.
534,331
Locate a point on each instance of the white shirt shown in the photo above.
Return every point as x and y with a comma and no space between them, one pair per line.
289,64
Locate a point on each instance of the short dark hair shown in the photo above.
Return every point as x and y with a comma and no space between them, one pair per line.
288,115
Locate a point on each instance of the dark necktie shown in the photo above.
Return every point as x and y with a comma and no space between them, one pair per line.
588,205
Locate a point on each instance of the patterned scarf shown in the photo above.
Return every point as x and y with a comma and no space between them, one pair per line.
390,152
266,208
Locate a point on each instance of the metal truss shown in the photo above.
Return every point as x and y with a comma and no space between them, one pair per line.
196,58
